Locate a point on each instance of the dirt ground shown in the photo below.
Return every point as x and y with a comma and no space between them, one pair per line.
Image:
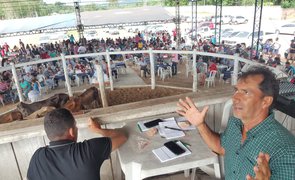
128,95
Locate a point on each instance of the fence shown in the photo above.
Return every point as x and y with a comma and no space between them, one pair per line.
151,53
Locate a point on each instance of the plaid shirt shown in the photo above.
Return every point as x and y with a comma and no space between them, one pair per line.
268,137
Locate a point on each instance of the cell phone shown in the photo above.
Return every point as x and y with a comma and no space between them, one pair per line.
153,123
174,147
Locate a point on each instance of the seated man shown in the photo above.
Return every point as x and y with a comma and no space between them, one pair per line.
254,144
143,66
65,158
25,86
289,69
4,89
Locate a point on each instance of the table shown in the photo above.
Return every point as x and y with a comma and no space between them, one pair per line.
142,163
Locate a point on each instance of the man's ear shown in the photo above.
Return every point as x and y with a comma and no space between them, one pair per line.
72,132
267,101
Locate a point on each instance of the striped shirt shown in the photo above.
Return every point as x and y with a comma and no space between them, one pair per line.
268,137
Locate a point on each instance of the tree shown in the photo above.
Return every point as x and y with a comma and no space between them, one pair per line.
173,2
113,3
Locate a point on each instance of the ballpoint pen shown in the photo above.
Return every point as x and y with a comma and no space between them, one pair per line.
177,129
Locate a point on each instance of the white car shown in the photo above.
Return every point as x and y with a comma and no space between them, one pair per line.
243,37
238,20
225,19
89,35
286,29
47,38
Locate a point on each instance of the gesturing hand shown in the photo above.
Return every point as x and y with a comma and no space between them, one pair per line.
191,112
262,171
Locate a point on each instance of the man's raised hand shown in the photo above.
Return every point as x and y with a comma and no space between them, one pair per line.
262,170
191,112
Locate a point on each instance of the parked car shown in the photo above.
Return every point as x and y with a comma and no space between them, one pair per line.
89,35
286,29
226,19
47,38
239,20
113,31
243,37
206,24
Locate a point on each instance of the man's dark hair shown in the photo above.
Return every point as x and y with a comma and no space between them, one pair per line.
57,122
269,85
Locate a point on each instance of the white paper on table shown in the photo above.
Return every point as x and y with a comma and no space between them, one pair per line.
143,128
164,154
170,133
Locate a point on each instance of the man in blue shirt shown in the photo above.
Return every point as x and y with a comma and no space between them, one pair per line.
289,69
254,144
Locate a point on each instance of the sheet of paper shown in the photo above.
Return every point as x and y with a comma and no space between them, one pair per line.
170,133
164,154
142,127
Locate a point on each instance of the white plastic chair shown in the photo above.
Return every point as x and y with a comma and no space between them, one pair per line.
42,89
165,72
211,79
189,67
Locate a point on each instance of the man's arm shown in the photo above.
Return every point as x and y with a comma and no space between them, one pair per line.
197,118
118,138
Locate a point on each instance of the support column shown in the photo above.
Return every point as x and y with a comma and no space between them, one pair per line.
256,27
101,86
177,23
110,70
195,79
236,70
80,27
18,88
153,78
218,12
68,81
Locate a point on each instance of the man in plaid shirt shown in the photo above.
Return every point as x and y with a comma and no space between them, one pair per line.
254,144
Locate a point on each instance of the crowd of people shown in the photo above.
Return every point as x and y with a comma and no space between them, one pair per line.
243,142
50,74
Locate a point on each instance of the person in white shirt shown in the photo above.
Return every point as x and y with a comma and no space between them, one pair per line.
82,49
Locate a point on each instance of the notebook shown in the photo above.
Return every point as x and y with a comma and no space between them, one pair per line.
164,154
170,133
143,128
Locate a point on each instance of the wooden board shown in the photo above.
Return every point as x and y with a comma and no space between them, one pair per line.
8,166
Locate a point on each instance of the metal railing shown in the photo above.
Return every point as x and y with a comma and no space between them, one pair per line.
151,53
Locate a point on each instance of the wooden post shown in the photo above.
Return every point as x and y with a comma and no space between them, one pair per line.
236,70
101,86
153,79
68,83
18,88
110,70
195,79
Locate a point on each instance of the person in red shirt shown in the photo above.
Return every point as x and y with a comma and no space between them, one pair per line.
212,66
